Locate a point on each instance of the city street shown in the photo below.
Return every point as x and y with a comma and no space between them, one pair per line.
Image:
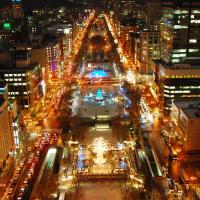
91,113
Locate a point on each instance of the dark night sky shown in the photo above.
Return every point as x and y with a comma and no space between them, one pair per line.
36,3
42,3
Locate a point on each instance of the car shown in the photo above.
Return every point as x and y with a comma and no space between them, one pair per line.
36,144
26,180
30,174
21,165
16,176
18,170
29,160
19,197
10,190
23,187
13,184
15,180
32,167
38,153
35,159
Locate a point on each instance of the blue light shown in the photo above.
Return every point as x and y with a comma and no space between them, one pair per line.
80,158
99,94
123,164
98,73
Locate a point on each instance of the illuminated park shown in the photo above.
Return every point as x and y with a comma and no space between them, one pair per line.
98,73
89,102
101,158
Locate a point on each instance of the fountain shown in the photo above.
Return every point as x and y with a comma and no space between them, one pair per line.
99,147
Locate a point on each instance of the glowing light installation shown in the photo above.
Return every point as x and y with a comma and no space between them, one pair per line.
99,94
97,73
123,164
100,147
80,158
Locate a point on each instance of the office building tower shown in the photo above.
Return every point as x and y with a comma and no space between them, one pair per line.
179,72
180,28
5,134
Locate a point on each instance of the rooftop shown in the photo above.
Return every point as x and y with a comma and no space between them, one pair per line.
190,108
182,66
192,112
186,104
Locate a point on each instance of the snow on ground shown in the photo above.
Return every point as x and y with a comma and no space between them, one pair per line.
101,191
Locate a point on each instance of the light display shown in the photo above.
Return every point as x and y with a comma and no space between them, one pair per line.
99,94
98,73
80,158
100,148
123,164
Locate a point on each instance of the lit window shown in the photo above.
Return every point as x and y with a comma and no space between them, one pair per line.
193,21
193,50
193,40
177,26
196,11
175,60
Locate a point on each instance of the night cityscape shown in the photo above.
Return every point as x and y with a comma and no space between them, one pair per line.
99,100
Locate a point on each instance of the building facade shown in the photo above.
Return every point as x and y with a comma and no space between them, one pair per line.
5,134
178,82
186,115
180,27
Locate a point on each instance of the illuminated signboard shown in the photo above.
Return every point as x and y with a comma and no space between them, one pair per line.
6,25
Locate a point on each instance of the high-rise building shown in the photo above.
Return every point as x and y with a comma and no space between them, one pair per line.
17,11
24,84
23,78
5,134
180,53
49,56
178,83
186,115
149,48
180,28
